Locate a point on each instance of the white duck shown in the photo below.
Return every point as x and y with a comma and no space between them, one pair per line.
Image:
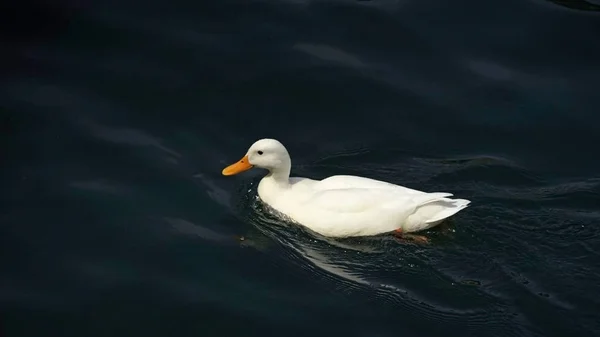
343,205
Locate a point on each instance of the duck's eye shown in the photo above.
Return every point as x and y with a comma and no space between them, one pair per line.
260,153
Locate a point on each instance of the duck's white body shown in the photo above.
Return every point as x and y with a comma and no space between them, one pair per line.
343,206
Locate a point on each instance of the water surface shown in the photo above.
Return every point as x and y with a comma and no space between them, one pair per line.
119,116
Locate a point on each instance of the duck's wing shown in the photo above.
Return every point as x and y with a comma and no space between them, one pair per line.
355,200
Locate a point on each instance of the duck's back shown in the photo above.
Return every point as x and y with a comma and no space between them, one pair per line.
348,181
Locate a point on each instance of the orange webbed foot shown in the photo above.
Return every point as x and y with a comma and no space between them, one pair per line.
421,239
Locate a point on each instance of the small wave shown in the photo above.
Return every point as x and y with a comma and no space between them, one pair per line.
101,186
186,227
581,5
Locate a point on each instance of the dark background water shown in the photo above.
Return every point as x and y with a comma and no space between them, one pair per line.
118,116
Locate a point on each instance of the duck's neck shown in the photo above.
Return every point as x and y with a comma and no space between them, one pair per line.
273,185
280,175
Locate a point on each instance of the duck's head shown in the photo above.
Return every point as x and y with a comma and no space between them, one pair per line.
266,153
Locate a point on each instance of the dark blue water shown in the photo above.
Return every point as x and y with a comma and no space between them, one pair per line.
118,116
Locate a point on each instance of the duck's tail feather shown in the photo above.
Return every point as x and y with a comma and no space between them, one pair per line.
431,197
456,205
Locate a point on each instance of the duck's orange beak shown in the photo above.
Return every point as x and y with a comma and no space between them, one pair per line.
240,166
